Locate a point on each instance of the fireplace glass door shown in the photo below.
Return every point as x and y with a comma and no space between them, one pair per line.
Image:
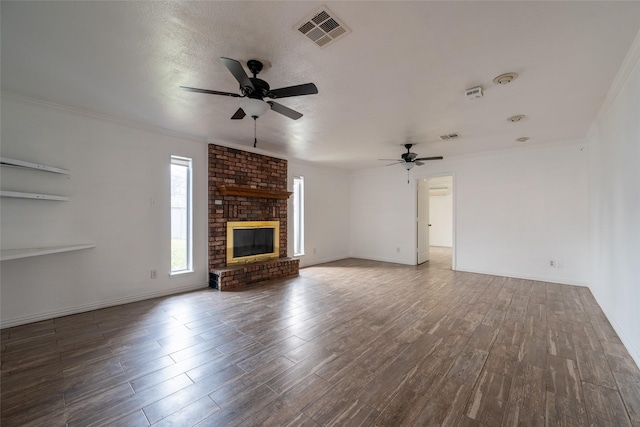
252,241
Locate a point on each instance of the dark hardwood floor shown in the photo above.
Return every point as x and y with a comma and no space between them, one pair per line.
347,343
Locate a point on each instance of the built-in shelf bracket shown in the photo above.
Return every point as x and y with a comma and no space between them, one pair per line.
21,163
21,195
6,161
8,254
232,190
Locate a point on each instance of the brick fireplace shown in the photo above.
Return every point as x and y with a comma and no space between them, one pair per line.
246,186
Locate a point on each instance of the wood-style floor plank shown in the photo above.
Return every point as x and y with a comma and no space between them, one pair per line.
351,342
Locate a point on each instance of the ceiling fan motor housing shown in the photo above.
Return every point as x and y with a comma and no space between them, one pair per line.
408,156
261,89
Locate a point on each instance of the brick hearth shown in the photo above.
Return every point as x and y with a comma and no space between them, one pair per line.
237,168
239,276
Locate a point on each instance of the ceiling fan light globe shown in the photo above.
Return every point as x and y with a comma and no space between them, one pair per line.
254,107
407,165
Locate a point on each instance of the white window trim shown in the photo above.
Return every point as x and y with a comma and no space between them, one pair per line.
300,201
185,161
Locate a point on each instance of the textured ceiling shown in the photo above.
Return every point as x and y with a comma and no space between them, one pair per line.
399,76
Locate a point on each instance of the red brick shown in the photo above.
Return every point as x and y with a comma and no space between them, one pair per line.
235,167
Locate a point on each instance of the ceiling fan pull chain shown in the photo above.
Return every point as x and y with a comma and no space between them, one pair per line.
255,138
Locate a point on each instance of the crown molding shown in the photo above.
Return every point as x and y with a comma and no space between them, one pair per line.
263,152
496,152
254,150
520,149
155,129
628,65
103,117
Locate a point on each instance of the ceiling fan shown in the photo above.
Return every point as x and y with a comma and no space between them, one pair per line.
254,90
408,160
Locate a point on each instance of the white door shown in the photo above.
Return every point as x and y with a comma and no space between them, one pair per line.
423,220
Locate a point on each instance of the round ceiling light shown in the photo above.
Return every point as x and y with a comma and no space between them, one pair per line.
516,118
523,139
408,165
254,107
506,78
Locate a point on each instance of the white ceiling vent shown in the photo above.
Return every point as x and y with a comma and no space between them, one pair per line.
474,92
439,191
322,27
449,136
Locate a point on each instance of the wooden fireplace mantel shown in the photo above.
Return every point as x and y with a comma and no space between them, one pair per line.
234,190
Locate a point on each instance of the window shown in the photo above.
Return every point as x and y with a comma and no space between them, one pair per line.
181,241
298,215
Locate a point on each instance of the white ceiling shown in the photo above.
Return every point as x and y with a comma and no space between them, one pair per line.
399,76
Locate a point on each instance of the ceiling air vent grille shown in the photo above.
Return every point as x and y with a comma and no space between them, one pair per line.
320,17
323,27
449,136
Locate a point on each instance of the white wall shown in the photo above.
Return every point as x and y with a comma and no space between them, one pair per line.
614,205
326,213
119,188
514,211
119,191
383,213
441,220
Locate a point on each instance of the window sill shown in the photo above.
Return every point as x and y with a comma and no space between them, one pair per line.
302,254
180,273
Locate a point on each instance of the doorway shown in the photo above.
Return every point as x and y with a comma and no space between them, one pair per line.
435,234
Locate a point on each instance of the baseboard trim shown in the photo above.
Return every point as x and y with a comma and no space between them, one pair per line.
381,259
22,320
526,277
633,352
322,261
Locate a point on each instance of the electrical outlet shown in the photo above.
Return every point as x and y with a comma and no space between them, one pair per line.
314,251
398,250
154,274
552,263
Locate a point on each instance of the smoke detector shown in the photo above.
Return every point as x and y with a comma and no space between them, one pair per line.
506,78
449,136
523,139
516,118
322,27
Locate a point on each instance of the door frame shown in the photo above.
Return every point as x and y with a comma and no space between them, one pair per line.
423,232
414,210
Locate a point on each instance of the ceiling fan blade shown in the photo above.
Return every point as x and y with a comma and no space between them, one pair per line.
391,160
238,114
418,163
238,72
210,92
284,92
429,158
285,111
395,163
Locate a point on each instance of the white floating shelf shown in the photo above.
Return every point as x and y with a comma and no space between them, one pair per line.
21,195
29,165
7,254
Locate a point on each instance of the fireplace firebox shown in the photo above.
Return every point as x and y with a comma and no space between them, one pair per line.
252,241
